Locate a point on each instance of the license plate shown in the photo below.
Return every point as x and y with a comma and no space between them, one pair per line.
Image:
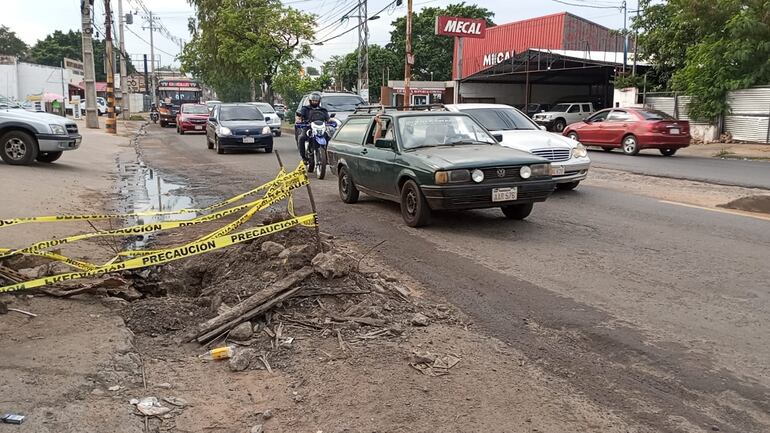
504,194
248,139
557,170
198,127
674,131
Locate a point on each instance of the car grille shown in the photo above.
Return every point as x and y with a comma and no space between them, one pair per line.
508,174
553,154
198,121
257,130
72,129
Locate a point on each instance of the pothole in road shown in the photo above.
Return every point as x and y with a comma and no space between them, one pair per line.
752,203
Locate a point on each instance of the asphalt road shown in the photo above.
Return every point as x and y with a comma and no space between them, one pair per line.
752,174
656,311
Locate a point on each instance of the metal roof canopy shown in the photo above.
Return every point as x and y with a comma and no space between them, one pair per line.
545,67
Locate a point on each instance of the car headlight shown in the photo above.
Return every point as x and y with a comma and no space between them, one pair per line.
266,130
579,151
58,129
477,176
525,172
223,130
540,170
452,176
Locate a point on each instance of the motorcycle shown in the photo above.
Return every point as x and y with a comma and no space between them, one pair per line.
154,114
318,134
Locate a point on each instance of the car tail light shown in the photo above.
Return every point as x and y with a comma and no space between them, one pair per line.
657,127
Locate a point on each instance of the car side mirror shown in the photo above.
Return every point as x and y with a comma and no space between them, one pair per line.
213,119
384,143
332,115
498,137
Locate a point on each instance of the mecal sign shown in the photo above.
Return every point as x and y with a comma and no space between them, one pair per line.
495,58
461,27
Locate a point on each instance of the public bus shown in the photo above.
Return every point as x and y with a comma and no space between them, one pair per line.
172,93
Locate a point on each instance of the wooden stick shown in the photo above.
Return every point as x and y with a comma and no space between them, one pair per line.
26,313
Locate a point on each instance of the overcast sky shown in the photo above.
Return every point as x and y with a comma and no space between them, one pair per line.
34,19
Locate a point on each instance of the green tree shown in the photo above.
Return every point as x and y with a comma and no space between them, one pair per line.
251,39
705,49
433,53
55,47
312,71
10,44
292,85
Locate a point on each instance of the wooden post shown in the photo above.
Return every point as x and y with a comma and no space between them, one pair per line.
312,206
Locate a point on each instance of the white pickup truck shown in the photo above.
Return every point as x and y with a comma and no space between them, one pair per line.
561,115
27,136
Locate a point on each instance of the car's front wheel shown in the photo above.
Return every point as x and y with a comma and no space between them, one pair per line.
209,143
414,207
517,211
217,146
348,191
630,145
567,186
49,156
18,148
668,152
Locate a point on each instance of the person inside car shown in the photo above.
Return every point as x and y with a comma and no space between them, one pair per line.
308,114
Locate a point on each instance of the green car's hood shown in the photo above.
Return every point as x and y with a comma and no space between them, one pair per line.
473,156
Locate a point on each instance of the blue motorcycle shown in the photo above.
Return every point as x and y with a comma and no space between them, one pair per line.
318,135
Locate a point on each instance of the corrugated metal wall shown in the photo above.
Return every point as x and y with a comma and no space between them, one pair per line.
542,32
749,117
583,35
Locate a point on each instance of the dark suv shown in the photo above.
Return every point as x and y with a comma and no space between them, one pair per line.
434,160
238,127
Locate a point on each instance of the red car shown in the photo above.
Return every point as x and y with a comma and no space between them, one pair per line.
192,117
631,129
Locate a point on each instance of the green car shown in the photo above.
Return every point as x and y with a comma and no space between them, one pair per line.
434,160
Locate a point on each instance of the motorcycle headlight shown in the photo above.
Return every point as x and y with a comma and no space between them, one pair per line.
579,151
58,129
223,130
266,130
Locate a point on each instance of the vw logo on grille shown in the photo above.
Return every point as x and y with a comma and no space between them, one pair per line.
500,172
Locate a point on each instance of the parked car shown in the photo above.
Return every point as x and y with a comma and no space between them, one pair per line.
631,130
27,136
561,115
192,117
212,103
238,127
271,117
532,108
101,106
569,159
435,160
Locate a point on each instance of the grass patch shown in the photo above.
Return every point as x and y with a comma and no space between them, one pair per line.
723,152
136,117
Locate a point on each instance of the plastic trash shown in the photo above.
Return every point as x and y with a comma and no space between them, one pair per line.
218,353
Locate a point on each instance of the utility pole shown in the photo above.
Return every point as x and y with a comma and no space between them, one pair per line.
636,42
152,61
409,55
111,123
124,100
625,35
89,76
363,50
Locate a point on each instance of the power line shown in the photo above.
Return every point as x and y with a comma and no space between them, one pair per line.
356,27
145,41
586,5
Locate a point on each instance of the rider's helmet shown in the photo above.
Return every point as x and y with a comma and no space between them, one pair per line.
315,99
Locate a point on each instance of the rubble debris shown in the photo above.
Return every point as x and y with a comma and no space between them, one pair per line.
267,414
241,332
272,249
176,401
241,359
114,388
331,265
12,418
431,364
164,385
257,429
150,406
419,319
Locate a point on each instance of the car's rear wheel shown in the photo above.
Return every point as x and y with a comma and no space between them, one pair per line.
567,186
630,145
517,211
181,131
209,143
573,135
18,148
278,133
163,123
49,156
414,207
607,148
348,191
218,147
559,125
269,149
668,152
320,162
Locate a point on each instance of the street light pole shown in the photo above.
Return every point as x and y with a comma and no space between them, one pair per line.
409,55
152,61
89,75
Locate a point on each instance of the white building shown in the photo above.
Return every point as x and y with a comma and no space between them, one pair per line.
20,80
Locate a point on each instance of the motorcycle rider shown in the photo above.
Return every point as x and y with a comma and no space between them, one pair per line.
154,114
308,114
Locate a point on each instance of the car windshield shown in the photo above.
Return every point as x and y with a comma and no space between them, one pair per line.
265,108
431,131
560,108
195,109
500,119
655,115
240,112
341,103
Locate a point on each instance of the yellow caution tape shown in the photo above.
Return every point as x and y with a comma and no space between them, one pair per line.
57,257
171,254
96,217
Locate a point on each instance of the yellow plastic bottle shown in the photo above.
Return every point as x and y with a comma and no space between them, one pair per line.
218,353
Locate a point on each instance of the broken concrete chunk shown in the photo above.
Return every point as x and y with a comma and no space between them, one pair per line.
271,248
419,319
176,401
150,406
241,359
241,332
331,265
257,429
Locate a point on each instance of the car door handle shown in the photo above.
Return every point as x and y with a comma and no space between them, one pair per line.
364,152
